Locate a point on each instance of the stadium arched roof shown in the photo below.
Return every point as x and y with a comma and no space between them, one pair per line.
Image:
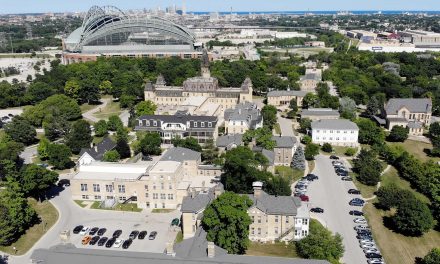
109,25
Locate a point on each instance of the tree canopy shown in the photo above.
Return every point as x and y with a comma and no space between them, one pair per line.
20,130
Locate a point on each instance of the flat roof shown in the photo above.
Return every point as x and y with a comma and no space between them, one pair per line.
167,166
106,176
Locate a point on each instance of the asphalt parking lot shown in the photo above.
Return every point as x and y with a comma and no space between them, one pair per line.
331,194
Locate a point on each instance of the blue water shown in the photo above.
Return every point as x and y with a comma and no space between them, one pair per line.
359,12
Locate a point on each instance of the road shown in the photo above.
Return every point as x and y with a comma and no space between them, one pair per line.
330,193
70,215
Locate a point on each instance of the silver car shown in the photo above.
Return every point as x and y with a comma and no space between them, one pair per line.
368,245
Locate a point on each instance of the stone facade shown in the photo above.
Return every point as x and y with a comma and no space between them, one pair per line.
283,98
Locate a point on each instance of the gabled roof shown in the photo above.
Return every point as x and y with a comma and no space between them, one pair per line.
336,124
284,142
414,105
228,140
271,204
319,112
98,153
286,93
180,154
198,202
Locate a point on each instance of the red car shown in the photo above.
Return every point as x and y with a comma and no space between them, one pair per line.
304,198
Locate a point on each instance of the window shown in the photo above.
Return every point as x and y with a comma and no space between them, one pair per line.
202,124
148,204
97,197
146,187
276,230
253,219
109,188
170,186
85,197
305,221
162,196
209,124
121,188
259,219
195,124
331,131
147,123
122,199
146,195
96,188
253,231
83,187
170,196
259,231
155,196
109,197
154,186
163,205
276,219
162,186
287,219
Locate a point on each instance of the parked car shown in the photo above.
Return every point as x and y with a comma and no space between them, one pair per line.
375,261
361,227
175,222
366,240
317,210
146,158
118,243
336,162
304,183
84,231
152,235
364,236
360,220
311,177
373,255
102,231
77,229
117,233
356,203
304,198
94,240
369,245
354,191
93,231
62,182
86,240
334,157
110,242
102,241
346,179
142,234
127,243
134,234
371,250
356,213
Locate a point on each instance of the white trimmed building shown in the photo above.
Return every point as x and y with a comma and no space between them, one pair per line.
339,132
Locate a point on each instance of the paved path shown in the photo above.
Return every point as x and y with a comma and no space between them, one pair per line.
89,114
330,193
28,153
286,126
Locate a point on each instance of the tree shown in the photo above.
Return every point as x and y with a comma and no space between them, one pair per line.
368,167
114,122
123,148
72,89
7,227
433,257
350,152
42,148
263,137
293,105
105,87
305,125
55,126
269,113
79,136
326,147
21,130
311,151
310,100
38,91
391,196
59,156
101,128
369,132
209,152
189,143
375,104
127,101
226,222
398,134
111,156
145,108
320,244
347,108
413,217
150,144
298,160
34,179
306,139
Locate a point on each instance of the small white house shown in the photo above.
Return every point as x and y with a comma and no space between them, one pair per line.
339,132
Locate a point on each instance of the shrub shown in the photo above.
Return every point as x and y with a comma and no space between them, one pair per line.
327,147
311,151
350,152
306,140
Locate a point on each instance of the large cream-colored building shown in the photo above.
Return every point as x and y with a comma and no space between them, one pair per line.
274,218
242,118
201,86
161,184
280,98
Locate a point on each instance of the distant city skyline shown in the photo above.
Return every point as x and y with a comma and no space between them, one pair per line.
41,6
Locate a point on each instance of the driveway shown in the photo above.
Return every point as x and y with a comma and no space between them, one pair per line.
286,126
330,193
72,215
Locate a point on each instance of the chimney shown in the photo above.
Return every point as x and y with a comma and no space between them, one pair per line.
218,190
211,249
258,188
193,193
96,148
170,249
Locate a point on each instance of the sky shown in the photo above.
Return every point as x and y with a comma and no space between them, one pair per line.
39,6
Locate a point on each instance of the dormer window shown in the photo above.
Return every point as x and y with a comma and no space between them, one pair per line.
202,124
154,123
147,123
209,124
195,124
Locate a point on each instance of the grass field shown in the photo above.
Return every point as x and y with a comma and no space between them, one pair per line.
163,211
179,237
288,173
366,190
416,148
80,203
112,108
277,249
128,207
48,215
86,107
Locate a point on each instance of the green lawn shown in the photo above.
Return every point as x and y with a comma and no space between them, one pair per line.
416,148
278,249
163,211
128,207
179,237
87,107
80,203
338,151
288,173
277,129
48,215
112,108
366,190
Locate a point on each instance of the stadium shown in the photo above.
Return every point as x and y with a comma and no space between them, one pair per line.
108,31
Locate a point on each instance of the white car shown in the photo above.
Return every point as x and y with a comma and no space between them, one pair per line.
85,230
371,250
303,182
375,261
118,243
369,245
361,227
366,241
360,220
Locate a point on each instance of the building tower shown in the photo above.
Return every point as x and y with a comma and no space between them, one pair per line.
205,65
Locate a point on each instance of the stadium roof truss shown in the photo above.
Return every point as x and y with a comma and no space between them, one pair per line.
108,20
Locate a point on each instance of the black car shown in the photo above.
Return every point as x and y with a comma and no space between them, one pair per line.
117,233
134,234
94,240
317,210
373,255
356,213
356,203
93,231
142,234
346,179
102,241
354,191
364,236
334,157
127,243
110,242
63,183
311,177
102,231
152,235
77,229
